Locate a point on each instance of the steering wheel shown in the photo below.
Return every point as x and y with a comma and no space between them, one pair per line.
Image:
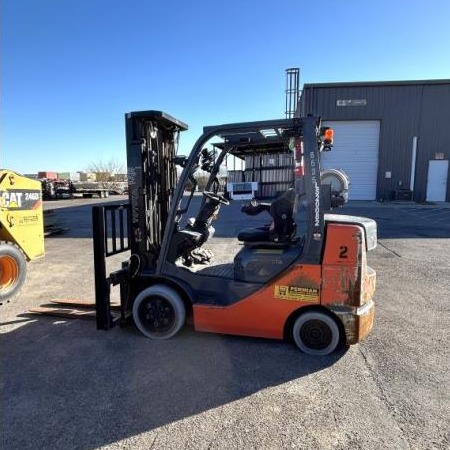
217,197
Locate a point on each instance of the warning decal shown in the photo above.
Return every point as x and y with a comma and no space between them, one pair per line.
300,294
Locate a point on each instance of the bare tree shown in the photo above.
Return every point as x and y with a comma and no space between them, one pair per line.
110,174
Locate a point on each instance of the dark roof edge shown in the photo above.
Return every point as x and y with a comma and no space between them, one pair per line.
374,83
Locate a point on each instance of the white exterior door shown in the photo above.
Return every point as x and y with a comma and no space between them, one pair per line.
355,151
437,180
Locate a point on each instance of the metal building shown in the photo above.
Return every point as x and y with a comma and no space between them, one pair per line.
391,138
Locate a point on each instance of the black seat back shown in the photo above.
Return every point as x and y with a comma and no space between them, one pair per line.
282,211
283,227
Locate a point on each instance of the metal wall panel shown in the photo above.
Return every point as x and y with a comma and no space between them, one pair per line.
405,109
433,132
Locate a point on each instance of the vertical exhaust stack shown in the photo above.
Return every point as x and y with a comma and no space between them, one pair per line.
292,91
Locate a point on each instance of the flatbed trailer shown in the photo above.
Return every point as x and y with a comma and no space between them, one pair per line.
83,192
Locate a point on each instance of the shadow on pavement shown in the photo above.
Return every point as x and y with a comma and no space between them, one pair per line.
69,386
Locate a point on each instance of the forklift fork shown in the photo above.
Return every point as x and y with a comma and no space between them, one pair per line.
111,233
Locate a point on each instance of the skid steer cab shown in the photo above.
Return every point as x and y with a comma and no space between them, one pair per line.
303,276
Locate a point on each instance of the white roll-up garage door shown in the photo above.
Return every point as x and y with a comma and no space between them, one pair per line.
355,150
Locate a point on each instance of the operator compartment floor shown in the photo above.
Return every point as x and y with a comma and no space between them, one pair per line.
223,252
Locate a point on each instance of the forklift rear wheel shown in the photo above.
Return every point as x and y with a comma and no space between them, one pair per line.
159,312
316,333
13,271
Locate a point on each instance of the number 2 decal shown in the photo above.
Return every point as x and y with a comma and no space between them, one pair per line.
343,252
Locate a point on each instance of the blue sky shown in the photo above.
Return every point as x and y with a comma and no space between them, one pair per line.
72,68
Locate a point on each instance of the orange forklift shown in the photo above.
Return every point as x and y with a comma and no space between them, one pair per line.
302,277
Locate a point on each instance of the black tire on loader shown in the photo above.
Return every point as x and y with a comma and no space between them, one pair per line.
13,271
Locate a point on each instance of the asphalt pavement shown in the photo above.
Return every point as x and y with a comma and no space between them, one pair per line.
65,385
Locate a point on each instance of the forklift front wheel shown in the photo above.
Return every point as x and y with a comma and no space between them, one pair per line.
159,312
316,333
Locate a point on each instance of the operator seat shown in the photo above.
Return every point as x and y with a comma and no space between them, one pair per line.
283,227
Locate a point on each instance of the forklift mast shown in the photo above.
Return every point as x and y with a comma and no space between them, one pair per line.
151,140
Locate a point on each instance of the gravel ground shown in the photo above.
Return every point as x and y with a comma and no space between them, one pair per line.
65,385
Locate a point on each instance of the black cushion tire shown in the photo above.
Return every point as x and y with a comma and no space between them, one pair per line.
316,333
159,312
13,271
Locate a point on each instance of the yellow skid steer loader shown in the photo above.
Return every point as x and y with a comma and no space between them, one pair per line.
21,230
